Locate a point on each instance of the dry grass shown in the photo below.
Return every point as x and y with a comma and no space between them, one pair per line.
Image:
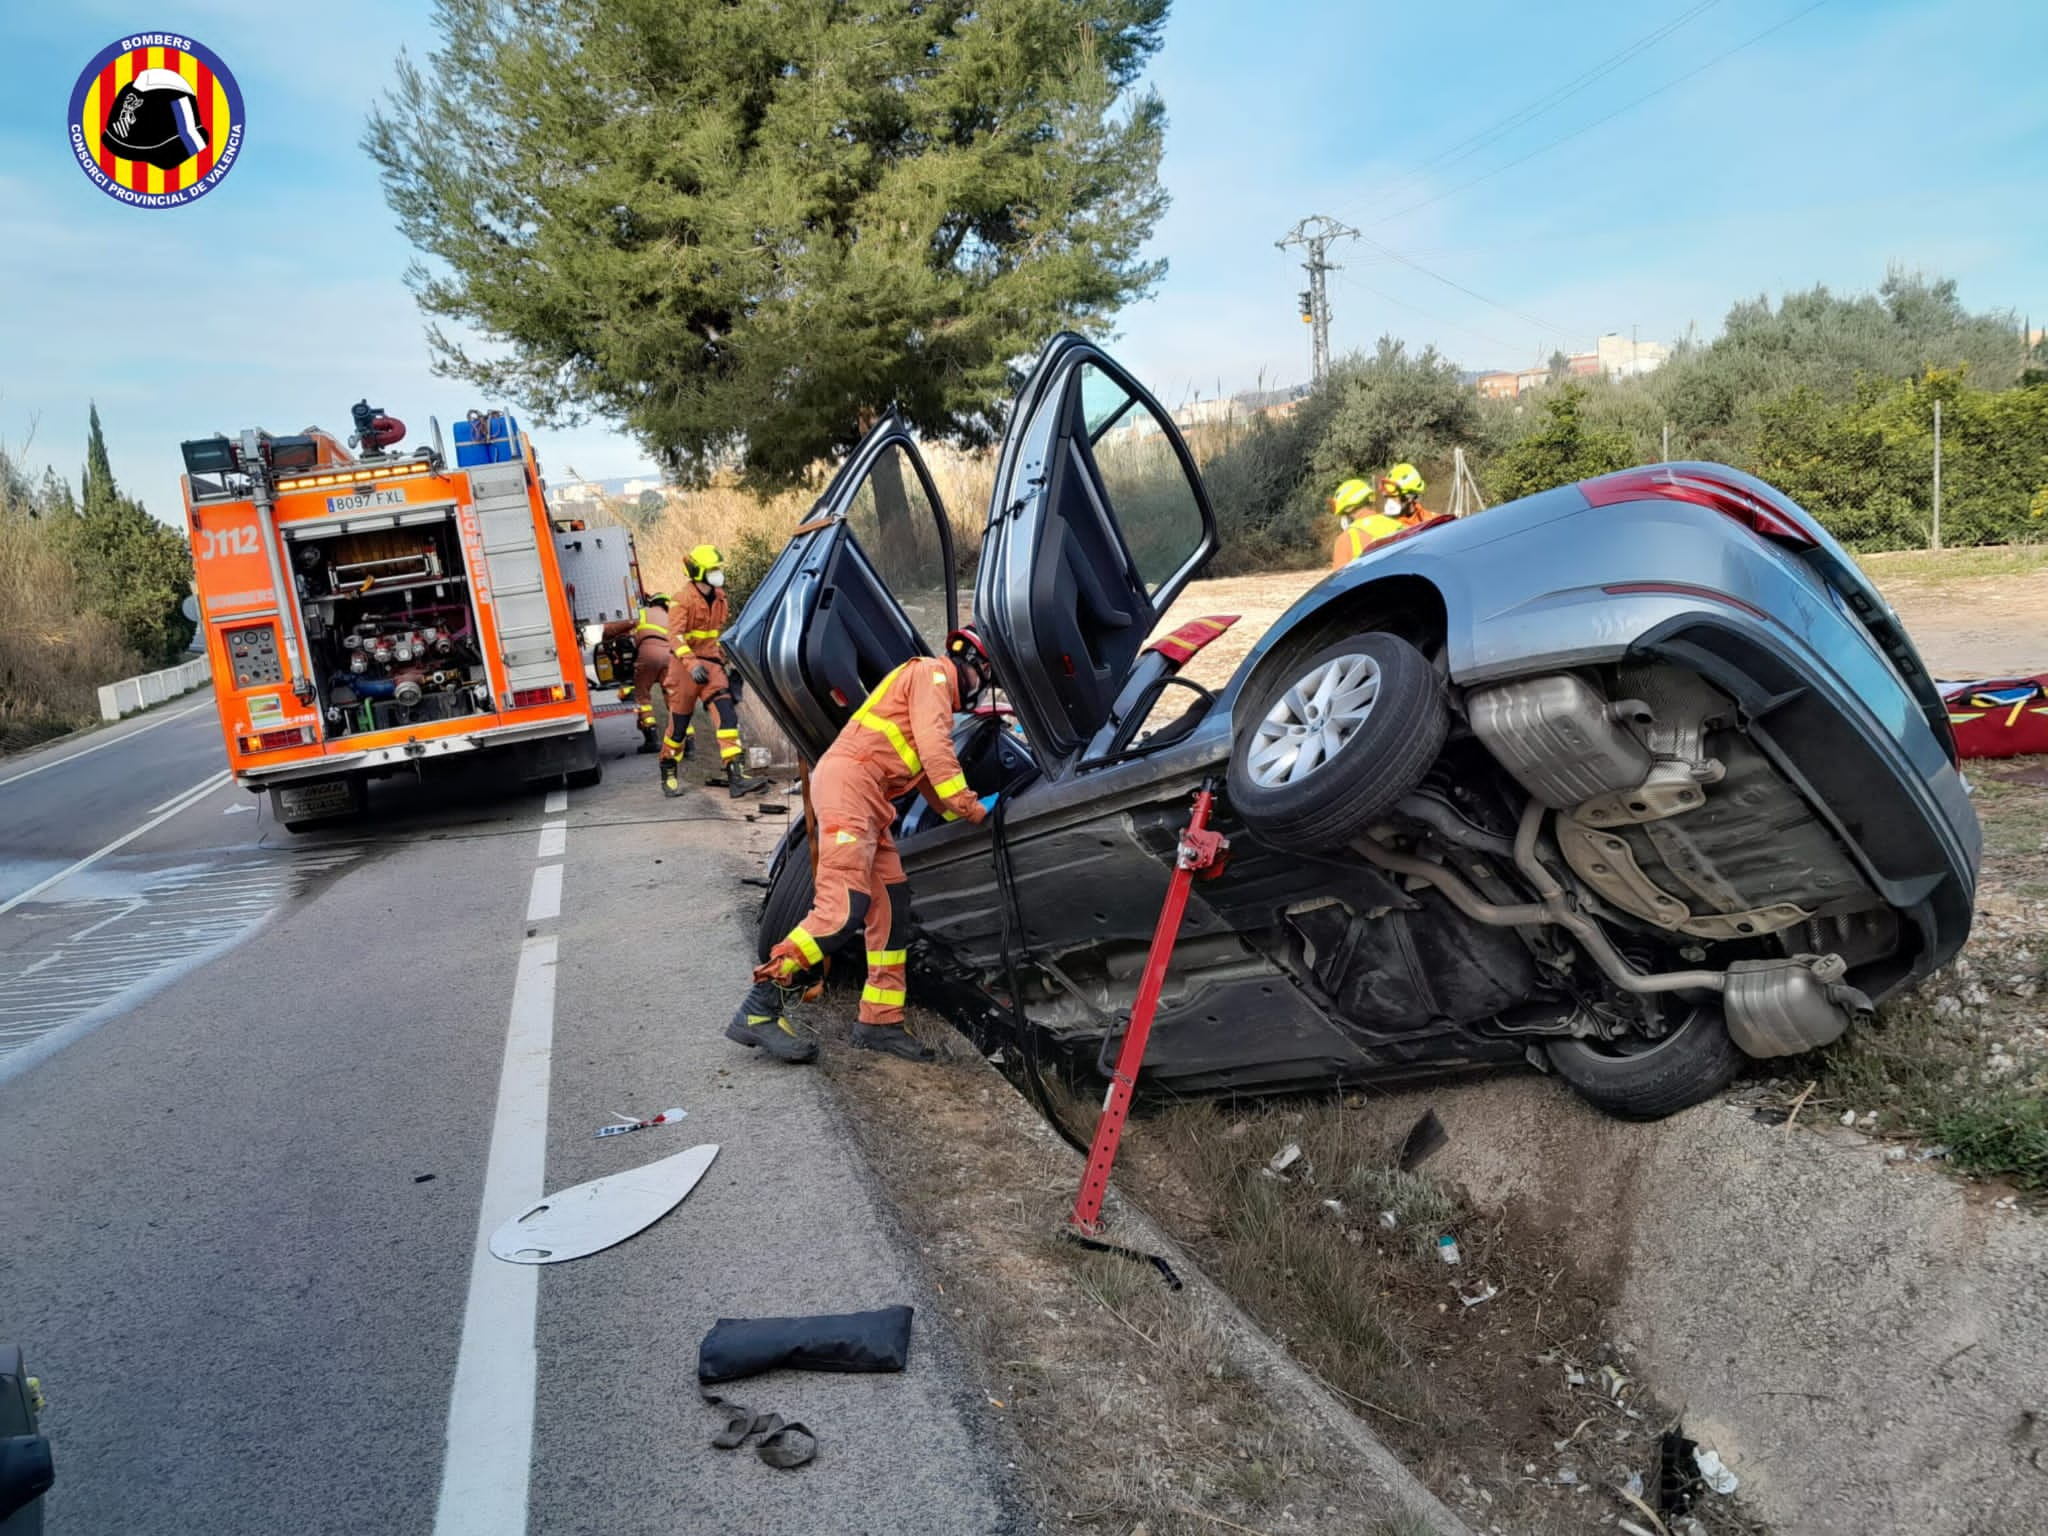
751,531
53,657
1947,566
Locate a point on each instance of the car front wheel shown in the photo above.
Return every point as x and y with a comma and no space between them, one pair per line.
1328,749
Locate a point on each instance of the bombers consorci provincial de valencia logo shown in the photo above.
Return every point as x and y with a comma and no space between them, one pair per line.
156,120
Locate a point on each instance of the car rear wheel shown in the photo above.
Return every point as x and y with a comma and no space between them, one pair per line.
1330,748
1638,1078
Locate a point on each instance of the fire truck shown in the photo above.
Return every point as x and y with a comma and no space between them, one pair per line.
370,612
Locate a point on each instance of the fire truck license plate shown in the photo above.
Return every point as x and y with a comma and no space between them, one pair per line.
366,500
328,797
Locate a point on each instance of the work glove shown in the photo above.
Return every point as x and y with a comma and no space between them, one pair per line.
988,802
698,675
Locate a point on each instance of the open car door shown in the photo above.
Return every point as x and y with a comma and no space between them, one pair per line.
866,583
1099,519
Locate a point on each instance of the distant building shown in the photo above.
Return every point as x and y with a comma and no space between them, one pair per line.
581,493
632,490
1583,365
1527,379
1498,386
1623,357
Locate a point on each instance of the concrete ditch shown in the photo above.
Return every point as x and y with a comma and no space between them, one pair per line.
1864,1340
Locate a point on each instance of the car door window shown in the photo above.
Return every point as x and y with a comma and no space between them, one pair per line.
897,520
1149,493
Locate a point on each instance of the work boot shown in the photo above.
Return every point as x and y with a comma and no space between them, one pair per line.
760,1023
650,739
737,783
671,780
892,1038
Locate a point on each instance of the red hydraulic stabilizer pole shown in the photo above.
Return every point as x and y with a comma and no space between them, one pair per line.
1200,849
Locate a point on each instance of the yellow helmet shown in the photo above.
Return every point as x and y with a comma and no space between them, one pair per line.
1403,480
702,561
1349,497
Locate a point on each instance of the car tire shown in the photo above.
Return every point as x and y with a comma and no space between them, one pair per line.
1383,756
585,778
1657,1077
789,898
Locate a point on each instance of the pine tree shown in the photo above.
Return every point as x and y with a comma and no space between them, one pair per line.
743,230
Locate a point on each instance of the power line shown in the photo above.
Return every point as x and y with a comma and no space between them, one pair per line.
1466,147
1544,149
1491,340
1473,293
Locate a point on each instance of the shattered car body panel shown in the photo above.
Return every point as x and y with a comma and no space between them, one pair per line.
1619,777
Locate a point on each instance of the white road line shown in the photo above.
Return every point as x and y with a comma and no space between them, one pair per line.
557,800
544,901
489,1458
111,741
554,839
191,796
218,778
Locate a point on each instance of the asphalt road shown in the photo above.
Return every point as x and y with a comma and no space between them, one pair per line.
262,1097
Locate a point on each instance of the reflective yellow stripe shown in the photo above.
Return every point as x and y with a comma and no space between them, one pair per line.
877,995
806,945
887,728
700,634
888,956
732,735
947,813
670,741
951,786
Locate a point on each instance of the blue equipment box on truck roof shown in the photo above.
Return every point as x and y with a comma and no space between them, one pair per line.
491,438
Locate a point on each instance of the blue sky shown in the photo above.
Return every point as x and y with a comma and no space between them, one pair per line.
1863,134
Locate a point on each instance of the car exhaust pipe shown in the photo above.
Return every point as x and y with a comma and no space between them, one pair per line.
1773,1007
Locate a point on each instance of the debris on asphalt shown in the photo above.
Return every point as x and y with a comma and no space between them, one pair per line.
1424,1138
575,1223
422,1178
1447,1249
1713,1471
737,1347
628,1123
782,1445
1930,1154
1284,1159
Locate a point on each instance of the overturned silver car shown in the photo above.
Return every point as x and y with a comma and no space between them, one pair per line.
1633,779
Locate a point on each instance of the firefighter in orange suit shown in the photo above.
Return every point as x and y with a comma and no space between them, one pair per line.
1359,527
648,630
696,674
900,738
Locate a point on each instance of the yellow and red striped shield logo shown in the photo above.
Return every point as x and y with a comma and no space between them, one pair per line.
156,120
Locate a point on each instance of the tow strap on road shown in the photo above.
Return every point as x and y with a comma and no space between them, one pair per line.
782,1444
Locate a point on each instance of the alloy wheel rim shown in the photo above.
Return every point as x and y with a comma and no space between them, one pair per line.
1313,720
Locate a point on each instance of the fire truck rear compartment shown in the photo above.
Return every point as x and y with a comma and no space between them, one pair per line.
390,626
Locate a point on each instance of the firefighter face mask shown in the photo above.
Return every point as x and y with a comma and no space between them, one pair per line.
715,578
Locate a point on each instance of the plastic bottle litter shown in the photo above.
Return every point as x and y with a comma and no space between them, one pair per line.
1285,1158
1447,1249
